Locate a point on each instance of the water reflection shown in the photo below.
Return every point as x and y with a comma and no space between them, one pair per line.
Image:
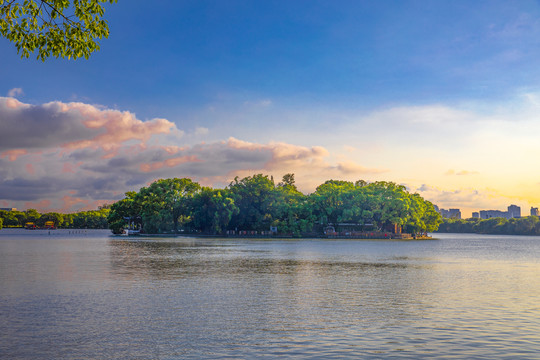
316,287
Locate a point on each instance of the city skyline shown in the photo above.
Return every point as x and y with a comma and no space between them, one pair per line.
440,97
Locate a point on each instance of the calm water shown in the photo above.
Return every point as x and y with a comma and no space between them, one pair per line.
92,296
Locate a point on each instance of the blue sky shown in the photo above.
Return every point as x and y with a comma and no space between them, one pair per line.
387,88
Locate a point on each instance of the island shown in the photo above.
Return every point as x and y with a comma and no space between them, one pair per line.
256,206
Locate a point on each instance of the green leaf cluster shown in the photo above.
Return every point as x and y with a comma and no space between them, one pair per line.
59,28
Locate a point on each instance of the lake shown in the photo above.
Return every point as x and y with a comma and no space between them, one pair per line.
68,294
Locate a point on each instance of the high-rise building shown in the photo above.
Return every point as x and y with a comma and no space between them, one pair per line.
449,214
488,214
534,211
514,211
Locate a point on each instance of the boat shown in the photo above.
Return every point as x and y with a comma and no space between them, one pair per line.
131,232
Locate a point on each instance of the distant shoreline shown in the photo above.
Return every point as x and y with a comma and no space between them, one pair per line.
277,237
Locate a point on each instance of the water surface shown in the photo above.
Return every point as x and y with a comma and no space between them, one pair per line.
87,295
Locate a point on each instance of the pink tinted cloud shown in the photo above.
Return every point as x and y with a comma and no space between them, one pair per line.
12,103
69,202
282,153
349,167
30,169
12,155
114,126
69,168
310,164
40,206
148,167
171,150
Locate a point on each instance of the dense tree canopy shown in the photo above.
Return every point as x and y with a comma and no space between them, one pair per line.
59,28
256,203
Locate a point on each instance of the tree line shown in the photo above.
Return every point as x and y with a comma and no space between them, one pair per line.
94,219
257,203
529,225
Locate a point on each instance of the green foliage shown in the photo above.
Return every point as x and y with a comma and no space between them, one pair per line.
292,211
32,215
10,218
55,217
253,196
383,205
1,223
94,219
158,208
213,210
124,211
59,28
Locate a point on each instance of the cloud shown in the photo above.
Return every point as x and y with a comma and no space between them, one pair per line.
461,173
12,155
15,92
350,167
71,126
70,156
200,131
94,154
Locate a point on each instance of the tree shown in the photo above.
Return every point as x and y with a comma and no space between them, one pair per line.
393,204
213,210
55,217
292,211
32,215
252,195
10,218
288,180
166,201
59,28
331,200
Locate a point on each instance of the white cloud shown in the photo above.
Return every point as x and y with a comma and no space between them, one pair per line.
15,92
201,131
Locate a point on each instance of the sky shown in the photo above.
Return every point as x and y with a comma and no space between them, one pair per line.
440,96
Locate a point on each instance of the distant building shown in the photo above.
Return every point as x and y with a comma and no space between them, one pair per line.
534,211
514,211
476,215
8,209
449,214
488,214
